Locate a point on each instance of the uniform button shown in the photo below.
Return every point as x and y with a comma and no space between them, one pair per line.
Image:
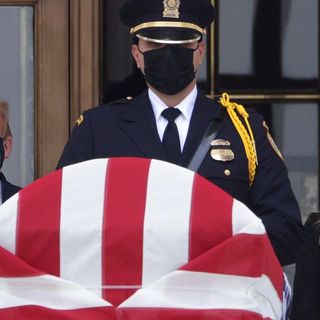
227,172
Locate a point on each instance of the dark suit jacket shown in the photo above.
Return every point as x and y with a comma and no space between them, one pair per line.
306,291
8,189
128,129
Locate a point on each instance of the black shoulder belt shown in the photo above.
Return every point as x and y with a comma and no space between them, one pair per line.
202,149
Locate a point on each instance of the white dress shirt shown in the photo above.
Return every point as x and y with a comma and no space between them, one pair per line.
182,121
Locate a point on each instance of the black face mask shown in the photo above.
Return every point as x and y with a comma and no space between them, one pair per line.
1,152
169,69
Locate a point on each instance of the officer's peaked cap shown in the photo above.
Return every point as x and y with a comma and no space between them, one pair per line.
168,21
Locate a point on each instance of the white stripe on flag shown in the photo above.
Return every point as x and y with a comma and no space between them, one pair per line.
80,258
244,220
8,223
46,291
199,290
166,224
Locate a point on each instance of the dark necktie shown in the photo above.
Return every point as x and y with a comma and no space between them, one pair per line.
171,141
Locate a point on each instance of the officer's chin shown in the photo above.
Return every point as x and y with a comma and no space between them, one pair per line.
159,93
186,90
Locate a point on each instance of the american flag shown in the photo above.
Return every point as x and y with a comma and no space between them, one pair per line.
129,238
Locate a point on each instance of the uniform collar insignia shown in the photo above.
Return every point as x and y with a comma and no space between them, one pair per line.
80,120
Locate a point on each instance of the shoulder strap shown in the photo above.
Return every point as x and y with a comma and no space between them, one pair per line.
202,149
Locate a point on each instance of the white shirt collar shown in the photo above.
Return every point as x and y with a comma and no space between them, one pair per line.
185,106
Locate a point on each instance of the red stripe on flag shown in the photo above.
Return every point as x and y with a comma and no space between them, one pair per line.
125,199
211,217
183,314
243,255
40,313
11,266
39,224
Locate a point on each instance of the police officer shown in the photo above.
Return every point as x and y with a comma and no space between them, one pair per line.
170,119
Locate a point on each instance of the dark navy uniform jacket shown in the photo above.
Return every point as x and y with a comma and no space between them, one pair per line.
128,129
8,189
306,291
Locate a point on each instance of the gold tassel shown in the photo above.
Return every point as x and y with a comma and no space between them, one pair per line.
245,134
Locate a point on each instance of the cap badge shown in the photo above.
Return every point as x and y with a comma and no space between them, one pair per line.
221,150
171,8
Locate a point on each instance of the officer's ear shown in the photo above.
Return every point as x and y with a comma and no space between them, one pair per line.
201,51
7,143
136,55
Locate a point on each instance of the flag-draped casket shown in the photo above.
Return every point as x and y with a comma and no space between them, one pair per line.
130,239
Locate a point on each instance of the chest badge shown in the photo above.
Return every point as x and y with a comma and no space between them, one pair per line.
221,150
